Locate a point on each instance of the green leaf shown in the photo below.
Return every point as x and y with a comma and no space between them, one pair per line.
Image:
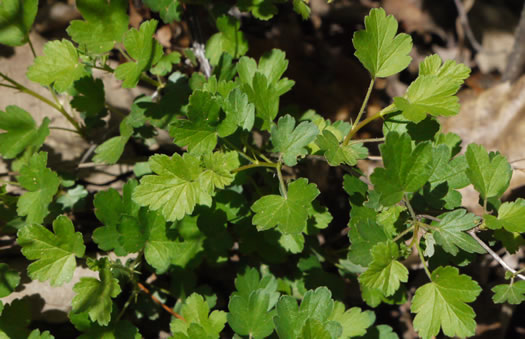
511,216
380,50
261,9
252,281
35,334
54,252
337,153
229,40
72,197
449,232
165,64
94,296
406,170
513,293
314,329
197,132
489,173
434,90
15,319
90,97
105,24
354,321
123,329
301,8
41,183
217,169
364,234
196,311
291,319
110,209
291,141
442,303
239,113
169,10
287,213
175,188
9,280
251,316
110,151
384,272
142,47
60,66
16,19
21,132
160,250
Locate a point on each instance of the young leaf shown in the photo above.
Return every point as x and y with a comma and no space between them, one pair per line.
263,83
513,293
252,281
251,316
290,141
442,303
384,272
287,213
21,132
16,19
60,66
511,216
42,184
434,90
55,252
449,234
380,50
175,188
489,173
142,47
406,170
105,24
195,311
169,10
94,296
9,280
337,153
229,40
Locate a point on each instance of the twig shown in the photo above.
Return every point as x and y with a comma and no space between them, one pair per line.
495,255
165,307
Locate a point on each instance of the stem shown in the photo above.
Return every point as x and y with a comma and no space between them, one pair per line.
65,129
402,234
422,258
410,209
2,182
429,217
361,111
31,46
26,90
126,305
380,114
254,165
367,140
8,86
281,180
244,155
150,81
496,256
165,307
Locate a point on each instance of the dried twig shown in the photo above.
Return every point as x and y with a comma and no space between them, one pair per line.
157,301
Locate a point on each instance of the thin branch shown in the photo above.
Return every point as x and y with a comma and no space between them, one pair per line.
255,165
165,307
360,114
281,180
31,46
495,255
429,217
423,261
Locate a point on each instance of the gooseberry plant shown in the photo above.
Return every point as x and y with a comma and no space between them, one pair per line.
231,198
